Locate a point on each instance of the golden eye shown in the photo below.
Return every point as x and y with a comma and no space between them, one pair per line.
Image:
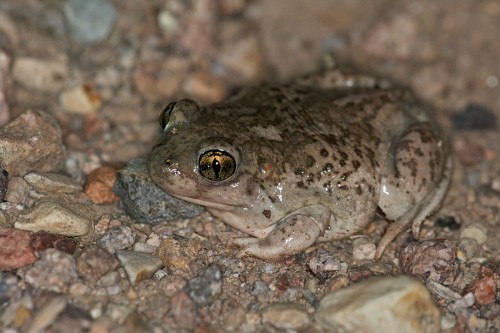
216,165
165,114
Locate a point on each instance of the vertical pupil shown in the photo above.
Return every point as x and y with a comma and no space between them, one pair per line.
216,167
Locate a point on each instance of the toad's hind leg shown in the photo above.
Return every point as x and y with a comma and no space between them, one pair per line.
415,178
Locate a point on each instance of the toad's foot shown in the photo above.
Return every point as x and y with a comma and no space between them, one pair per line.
292,235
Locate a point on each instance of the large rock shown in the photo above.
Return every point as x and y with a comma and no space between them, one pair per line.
31,142
146,202
382,304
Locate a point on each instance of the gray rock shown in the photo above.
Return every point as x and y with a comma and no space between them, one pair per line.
31,142
146,202
206,287
382,304
118,238
58,217
89,21
138,265
288,316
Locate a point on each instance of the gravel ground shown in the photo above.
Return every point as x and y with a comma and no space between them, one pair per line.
81,85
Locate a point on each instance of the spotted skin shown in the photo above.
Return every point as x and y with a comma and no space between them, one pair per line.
315,160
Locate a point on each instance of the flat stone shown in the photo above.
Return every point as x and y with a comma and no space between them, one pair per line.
287,316
138,265
81,100
31,142
55,270
58,217
144,201
53,183
43,75
382,304
15,249
89,21
99,185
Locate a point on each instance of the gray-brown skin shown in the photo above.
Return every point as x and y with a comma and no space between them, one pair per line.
315,159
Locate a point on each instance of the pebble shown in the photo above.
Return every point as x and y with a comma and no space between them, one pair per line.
31,142
42,240
485,287
184,311
93,262
144,201
431,260
138,265
476,232
15,249
4,181
99,185
323,264
47,76
80,100
52,183
204,87
177,254
4,69
47,314
206,287
58,217
55,270
475,117
381,304
89,21
362,249
19,192
286,316
119,238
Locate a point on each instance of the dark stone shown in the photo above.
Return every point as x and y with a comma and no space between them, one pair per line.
448,222
43,240
206,287
475,117
4,180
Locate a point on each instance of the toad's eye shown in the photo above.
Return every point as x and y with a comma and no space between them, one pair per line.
165,113
216,165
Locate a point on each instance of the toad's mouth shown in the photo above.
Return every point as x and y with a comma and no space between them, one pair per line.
205,203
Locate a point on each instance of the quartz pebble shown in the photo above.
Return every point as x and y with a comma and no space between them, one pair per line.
94,261
138,265
118,238
99,185
43,75
475,232
287,316
146,202
80,100
15,249
58,217
206,287
55,270
382,304
32,141
363,250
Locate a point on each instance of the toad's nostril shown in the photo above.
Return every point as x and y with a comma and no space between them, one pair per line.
168,162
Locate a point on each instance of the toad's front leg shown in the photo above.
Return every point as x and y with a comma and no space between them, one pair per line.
292,234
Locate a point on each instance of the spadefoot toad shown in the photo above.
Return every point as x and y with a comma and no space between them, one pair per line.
305,162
